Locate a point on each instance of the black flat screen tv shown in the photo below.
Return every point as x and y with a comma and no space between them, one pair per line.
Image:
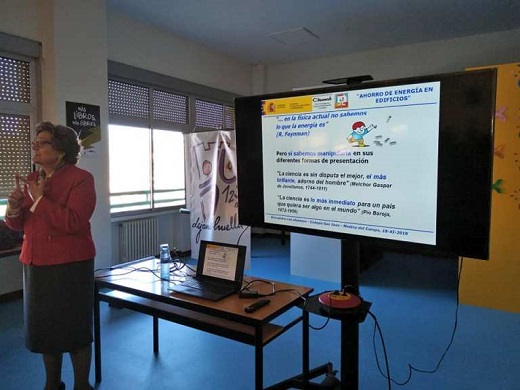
404,164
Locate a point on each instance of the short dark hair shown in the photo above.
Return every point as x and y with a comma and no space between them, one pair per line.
64,139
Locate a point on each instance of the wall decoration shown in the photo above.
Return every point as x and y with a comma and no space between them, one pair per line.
84,119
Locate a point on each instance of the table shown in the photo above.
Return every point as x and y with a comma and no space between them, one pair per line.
11,251
144,292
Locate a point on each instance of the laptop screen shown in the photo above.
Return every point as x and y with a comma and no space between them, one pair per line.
221,260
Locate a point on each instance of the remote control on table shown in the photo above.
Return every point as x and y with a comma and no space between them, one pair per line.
257,305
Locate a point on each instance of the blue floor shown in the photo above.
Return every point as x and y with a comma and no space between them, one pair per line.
414,299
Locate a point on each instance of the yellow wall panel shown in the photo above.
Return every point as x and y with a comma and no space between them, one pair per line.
496,283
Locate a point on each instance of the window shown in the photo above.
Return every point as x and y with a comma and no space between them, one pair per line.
146,137
168,168
146,168
146,162
16,107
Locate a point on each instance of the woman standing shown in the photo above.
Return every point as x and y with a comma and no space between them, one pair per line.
53,209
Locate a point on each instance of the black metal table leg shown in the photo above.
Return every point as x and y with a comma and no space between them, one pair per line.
259,359
97,335
155,335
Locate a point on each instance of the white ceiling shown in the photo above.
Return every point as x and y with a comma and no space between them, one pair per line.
245,29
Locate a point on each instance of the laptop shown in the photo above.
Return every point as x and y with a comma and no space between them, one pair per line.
220,270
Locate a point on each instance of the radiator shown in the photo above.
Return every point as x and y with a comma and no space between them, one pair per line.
137,239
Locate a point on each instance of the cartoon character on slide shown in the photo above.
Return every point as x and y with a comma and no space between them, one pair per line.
359,130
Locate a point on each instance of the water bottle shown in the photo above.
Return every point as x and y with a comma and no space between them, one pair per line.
165,261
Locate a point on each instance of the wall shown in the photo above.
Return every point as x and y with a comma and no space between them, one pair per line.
173,228
20,17
316,257
403,61
133,43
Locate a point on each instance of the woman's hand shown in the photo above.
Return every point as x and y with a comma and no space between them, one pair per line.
16,198
34,188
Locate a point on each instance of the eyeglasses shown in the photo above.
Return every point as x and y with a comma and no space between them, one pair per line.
38,143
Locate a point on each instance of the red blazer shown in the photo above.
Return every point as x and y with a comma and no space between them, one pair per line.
59,229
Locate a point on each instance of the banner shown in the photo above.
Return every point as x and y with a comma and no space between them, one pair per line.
212,194
84,119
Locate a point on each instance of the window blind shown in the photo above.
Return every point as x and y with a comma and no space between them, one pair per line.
208,114
15,150
128,99
170,107
15,121
15,80
138,97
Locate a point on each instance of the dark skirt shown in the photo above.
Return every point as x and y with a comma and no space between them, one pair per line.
58,301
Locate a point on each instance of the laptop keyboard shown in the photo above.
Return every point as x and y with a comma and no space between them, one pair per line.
204,285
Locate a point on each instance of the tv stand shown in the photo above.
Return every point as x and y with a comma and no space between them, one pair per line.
350,320
350,260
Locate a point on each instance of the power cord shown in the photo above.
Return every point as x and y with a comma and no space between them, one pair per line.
177,265
246,292
241,234
376,326
411,368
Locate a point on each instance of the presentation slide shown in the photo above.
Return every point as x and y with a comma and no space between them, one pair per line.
359,162
220,262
